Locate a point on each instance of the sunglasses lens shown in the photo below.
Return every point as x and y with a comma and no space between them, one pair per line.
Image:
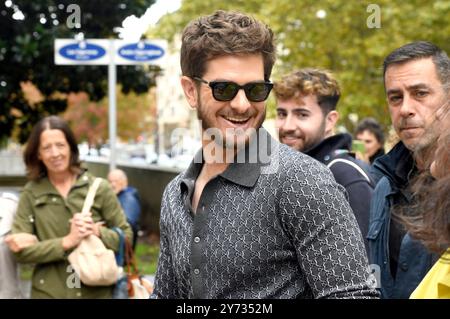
258,92
225,91
255,92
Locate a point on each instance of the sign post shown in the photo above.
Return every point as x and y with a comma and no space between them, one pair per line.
112,80
110,52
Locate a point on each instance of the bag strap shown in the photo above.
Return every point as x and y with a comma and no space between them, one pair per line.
130,259
132,269
91,195
358,168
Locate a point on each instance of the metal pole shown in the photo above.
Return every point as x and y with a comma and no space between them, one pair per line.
112,107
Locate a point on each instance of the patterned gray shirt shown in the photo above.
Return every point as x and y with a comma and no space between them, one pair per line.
277,228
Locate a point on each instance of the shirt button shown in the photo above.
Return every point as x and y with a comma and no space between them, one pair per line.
197,239
54,199
196,271
78,294
41,281
85,178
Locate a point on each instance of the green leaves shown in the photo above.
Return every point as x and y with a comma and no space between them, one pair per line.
335,34
26,55
25,49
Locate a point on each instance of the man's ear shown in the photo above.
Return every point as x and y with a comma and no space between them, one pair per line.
331,120
190,91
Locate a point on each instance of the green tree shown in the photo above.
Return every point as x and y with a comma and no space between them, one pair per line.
344,42
337,35
26,55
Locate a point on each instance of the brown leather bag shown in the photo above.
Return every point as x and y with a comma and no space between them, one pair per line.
138,287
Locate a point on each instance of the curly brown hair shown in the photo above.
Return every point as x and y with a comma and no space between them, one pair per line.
224,33
310,81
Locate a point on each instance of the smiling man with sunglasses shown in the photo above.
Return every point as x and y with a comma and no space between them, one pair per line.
250,217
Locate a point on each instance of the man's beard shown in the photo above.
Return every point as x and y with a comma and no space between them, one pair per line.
317,138
423,151
307,143
234,138
423,141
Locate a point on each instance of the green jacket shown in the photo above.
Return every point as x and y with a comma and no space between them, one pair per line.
44,212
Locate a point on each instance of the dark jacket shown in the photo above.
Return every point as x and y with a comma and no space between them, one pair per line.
350,172
130,202
411,261
377,154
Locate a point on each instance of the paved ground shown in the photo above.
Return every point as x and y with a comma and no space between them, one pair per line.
25,285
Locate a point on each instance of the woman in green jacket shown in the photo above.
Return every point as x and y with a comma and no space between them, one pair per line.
49,208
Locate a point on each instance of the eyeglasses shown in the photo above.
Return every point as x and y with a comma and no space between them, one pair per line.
227,90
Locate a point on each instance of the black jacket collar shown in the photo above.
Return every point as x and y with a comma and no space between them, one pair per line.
377,154
398,165
331,146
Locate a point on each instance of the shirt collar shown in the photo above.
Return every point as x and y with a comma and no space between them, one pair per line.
330,146
406,167
398,165
246,168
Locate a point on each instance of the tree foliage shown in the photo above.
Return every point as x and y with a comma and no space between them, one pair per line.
337,35
26,55
89,120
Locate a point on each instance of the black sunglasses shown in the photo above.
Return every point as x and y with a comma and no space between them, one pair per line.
227,90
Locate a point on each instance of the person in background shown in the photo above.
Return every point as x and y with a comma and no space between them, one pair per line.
9,275
49,208
306,119
129,199
370,132
416,79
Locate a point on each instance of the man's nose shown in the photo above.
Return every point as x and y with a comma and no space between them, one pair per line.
408,108
240,103
289,123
